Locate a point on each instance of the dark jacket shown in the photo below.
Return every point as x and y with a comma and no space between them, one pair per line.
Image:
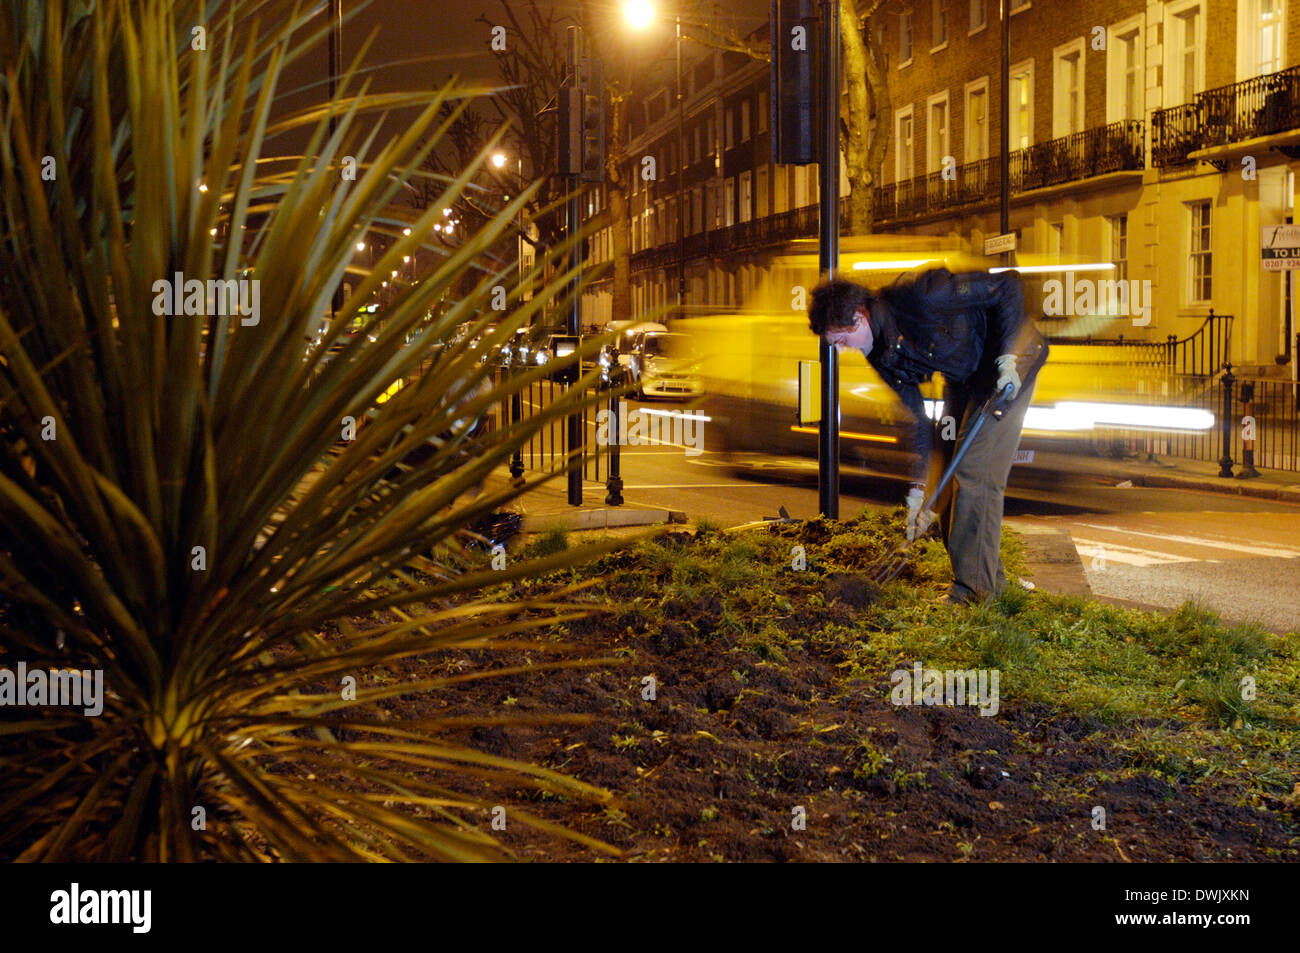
957,325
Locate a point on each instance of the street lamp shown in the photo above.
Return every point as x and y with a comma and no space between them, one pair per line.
639,14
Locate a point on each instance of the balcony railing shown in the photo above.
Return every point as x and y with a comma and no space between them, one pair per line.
768,230
1262,106
1082,155
1113,148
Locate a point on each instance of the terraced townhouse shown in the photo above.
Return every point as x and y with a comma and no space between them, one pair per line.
1161,137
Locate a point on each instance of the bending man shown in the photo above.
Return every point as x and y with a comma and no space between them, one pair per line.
972,329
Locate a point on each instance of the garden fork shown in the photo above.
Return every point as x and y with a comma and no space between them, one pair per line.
888,567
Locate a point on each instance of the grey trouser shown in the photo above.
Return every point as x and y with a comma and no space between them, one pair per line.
970,517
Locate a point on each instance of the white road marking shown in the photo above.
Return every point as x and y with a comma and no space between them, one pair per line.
1128,555
1277,552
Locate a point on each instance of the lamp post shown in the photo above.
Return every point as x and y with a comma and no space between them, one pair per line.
639,14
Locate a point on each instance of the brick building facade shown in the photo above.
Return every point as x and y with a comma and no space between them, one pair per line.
1157,137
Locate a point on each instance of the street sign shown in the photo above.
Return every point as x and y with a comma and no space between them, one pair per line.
1279,247
1000,243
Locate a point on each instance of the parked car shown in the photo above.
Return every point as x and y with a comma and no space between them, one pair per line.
629,333
664,364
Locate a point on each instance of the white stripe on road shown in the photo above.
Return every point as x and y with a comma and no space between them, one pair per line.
1129,555
1277,552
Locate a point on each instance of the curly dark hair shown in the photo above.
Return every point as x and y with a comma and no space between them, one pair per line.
833,304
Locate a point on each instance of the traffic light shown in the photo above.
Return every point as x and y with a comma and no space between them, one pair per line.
568,130
593,121
795,73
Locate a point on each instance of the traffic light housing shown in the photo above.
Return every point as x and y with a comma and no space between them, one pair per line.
593,121
796,70
568,128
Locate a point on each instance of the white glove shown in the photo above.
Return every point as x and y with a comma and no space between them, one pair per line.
918,520
1007,374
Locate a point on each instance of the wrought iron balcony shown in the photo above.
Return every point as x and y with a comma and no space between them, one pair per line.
1113,148
1262,106
756,233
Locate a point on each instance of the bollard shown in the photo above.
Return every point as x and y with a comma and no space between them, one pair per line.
516,414
614,483
1248,443
1225,462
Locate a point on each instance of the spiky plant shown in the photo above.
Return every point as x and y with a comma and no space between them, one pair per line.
198,505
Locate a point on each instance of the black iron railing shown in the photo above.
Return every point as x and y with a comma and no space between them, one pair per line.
1262,106
1113,148
1204,352
1261,429
768,230
1082,155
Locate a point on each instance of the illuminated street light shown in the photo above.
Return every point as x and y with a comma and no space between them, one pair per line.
499,159
406,231
361,246
203,187
639,13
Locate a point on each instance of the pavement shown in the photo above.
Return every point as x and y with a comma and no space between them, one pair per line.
1053,560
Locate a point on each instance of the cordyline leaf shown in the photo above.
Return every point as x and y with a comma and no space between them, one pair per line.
178,506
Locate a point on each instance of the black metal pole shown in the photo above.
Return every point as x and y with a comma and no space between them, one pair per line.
681,167
614,484
828,434
1006,127
573,218
1225,462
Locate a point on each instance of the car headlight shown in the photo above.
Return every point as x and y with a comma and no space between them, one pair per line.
541,357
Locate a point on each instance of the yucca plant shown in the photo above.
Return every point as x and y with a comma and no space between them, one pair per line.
198,505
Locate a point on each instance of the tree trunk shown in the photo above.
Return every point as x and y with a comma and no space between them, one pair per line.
865,135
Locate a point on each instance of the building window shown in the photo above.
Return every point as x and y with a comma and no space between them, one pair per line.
730,125
729,203
977,120
710,141
746,196
761,207
1055,240
1272,26
763,110
904,38
1199,269
695,144
744,120
1022,105
978,18
697,210
1124,72
1185,38
937,132
1067,114
938,25
1119,245
904,135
